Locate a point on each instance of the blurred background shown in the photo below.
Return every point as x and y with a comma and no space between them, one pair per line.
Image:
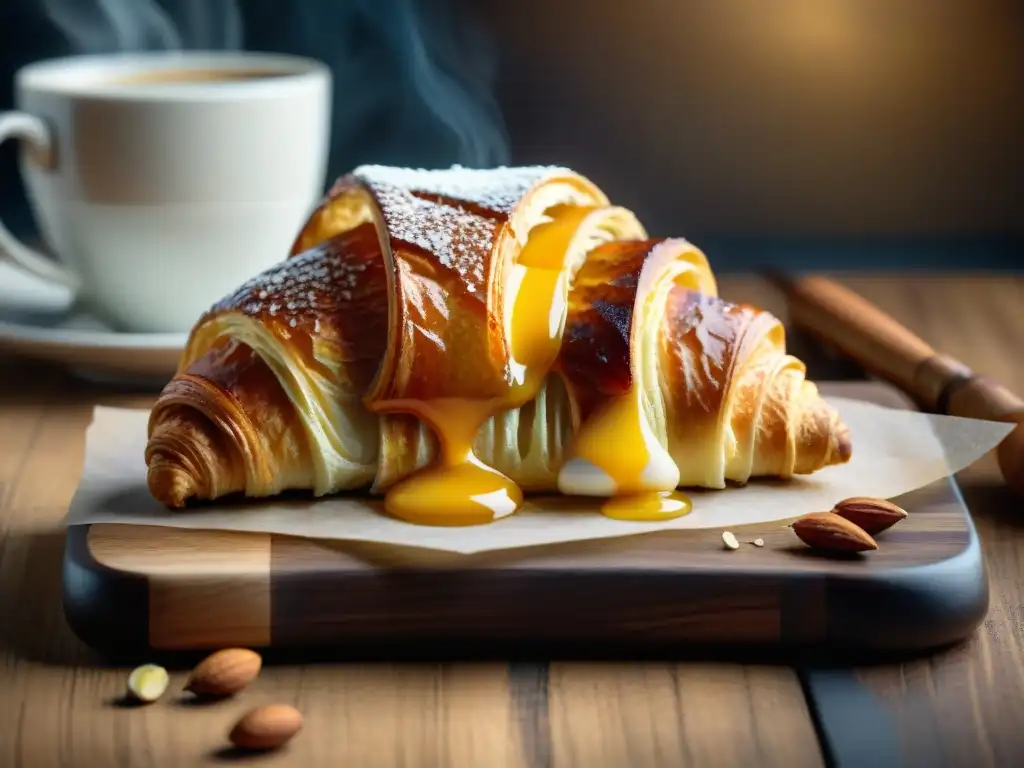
797,133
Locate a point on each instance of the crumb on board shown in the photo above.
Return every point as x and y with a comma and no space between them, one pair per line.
730,540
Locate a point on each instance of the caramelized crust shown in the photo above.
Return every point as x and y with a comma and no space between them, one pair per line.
595,355
329,304
603,343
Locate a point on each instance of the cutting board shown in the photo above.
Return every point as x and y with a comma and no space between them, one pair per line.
132,588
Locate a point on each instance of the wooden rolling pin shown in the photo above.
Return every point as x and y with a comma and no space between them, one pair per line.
874,340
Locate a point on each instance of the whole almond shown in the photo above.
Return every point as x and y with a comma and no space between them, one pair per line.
266,727
872,515
225,672
825,530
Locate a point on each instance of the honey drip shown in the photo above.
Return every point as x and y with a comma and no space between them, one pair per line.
459,489
648,507
617,455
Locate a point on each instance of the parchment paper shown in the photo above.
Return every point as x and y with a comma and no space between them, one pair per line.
894,451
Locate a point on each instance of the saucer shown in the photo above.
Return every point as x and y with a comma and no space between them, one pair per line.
39,321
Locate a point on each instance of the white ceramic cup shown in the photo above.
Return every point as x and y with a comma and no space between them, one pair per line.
163,181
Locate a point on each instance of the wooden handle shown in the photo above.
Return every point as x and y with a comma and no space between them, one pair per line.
882,346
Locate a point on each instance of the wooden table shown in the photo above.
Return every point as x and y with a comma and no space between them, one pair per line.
961,707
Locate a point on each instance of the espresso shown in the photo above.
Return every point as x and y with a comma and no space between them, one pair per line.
183,76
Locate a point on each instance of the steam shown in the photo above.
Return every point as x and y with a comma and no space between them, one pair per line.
108,26
413,79
453,70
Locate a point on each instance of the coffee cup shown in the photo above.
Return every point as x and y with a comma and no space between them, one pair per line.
162,181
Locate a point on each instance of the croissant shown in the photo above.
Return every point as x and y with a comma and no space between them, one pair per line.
453,339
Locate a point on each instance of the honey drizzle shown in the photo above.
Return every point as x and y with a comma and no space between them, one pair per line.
648,507
628,464
458,489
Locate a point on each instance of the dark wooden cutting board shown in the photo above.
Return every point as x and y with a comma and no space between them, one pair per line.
130,588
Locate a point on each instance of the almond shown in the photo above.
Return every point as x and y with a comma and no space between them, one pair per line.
225,672
266,727
872,515
825,530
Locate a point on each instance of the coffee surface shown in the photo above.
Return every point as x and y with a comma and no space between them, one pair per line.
180,76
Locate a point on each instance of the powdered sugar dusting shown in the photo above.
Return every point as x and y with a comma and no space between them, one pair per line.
495,189
458,239
299,289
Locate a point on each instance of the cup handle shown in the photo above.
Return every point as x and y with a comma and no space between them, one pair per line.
30,129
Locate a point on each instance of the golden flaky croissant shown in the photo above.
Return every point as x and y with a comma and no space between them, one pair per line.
454,338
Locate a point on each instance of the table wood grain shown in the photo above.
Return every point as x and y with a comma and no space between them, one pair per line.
59,705
964,706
